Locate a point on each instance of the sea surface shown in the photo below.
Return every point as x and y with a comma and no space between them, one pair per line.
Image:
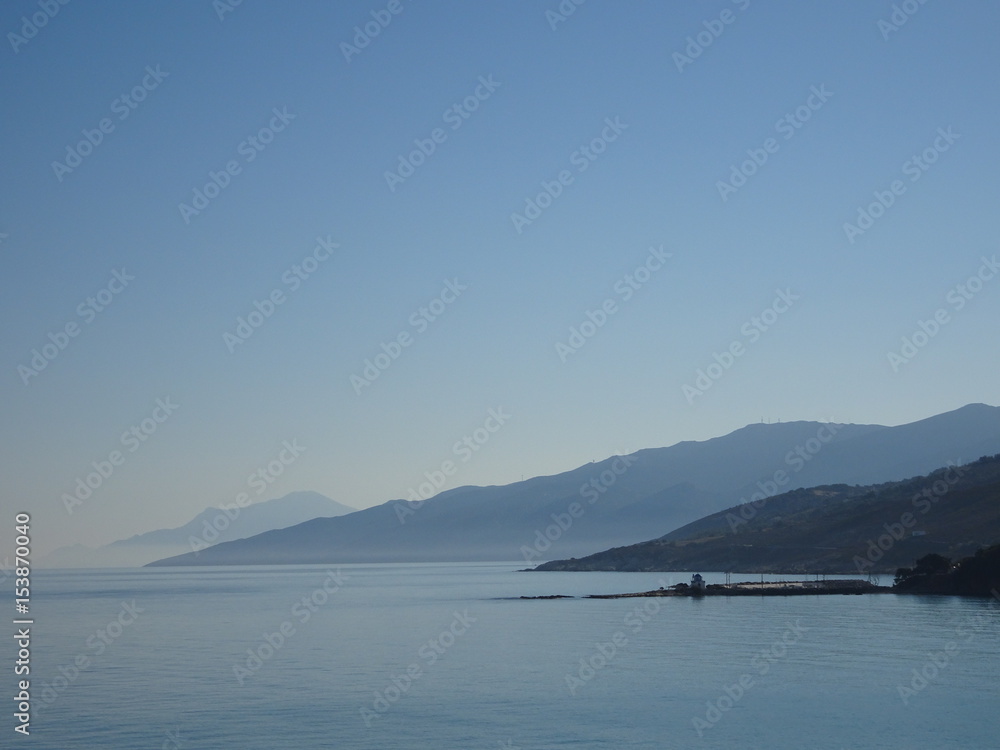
445,656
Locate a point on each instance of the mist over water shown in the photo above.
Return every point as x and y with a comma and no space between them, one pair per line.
441,655
418,285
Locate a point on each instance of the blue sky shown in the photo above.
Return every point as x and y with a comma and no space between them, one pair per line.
318,172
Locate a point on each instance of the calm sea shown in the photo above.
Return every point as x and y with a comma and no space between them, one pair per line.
442,656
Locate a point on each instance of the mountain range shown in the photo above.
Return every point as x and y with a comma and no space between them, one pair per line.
622,500
952,512
211,526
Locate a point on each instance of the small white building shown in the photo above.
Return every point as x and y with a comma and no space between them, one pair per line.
697,582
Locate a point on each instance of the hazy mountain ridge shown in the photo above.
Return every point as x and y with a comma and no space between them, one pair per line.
829,529
211,526
621,500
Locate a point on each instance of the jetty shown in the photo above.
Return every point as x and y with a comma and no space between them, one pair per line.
698,588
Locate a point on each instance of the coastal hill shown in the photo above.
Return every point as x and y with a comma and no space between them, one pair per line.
839,528
621,500
976,575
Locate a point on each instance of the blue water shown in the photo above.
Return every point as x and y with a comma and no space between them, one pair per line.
487,671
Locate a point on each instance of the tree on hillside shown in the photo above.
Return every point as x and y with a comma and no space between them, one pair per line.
926,567
978,575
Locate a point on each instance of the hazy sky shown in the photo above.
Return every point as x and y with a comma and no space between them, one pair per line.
472,182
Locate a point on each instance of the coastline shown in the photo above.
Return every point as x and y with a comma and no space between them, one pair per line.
839,587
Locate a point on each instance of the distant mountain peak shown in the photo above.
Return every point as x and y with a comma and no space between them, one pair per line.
211,526
614,502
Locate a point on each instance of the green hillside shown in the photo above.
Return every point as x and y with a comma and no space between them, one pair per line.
830,529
